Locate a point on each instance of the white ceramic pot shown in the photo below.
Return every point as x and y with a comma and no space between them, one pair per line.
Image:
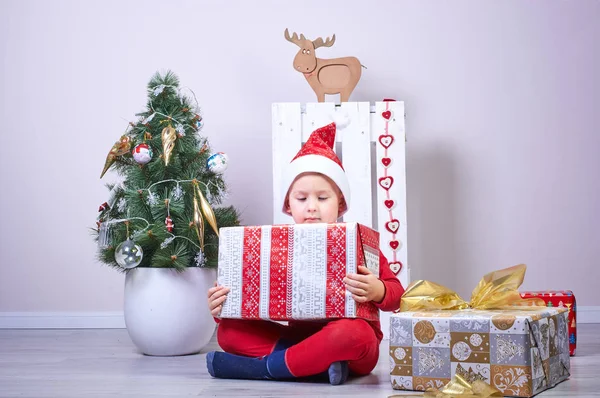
166,312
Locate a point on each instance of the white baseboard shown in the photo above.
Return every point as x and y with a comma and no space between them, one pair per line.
115,320
588,314
62,320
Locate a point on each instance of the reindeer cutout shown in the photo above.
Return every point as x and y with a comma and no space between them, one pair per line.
325,76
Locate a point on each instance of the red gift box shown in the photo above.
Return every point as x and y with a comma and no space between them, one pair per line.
285,272
560,298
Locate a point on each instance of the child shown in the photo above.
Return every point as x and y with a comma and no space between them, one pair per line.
316,191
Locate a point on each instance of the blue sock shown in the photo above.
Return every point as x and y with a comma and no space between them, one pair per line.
276,366
338,372
229,366
223,365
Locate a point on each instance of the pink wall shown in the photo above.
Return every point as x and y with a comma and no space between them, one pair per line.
502,152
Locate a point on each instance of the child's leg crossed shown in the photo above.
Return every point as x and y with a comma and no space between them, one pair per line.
251,338
351,340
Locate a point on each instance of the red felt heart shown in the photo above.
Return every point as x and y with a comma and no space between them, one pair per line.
394,244
386,162
386,115
395,266
392,226
386,182
386,140
389,203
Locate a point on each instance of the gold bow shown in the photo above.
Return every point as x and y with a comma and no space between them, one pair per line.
459,387
496,290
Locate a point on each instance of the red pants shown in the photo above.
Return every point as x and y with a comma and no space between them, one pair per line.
317,345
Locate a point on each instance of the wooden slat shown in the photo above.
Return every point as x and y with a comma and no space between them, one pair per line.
317,114
286,135
356,158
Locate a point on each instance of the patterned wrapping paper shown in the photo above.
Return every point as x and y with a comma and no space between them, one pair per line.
560,298
519,352
286,272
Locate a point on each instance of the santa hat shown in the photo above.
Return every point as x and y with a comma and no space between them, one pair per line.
317,156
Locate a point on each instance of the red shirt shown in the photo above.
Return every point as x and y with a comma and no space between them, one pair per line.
393,292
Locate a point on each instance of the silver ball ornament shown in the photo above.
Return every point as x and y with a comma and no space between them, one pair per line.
129,255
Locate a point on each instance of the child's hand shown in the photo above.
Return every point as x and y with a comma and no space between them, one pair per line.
216,297
365,286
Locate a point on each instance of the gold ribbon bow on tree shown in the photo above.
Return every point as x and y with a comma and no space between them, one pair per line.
497,290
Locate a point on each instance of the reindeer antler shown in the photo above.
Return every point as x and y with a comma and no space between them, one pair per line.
328,43
294,39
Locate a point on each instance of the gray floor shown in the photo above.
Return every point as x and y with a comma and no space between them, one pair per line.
100,363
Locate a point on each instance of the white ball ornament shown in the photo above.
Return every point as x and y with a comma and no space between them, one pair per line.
218,162
142,153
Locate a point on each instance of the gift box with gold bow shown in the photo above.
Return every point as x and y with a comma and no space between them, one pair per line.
498,338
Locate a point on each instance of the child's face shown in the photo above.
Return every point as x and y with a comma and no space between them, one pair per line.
313,198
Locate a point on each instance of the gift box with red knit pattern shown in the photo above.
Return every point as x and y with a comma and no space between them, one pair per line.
292,272
560,298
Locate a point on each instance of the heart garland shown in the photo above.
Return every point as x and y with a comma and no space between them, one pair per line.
395,266
386,182
386,140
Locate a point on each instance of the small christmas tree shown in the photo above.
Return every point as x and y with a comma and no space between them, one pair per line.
161,215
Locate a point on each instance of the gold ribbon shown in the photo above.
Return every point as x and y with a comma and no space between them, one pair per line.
497,290
459,387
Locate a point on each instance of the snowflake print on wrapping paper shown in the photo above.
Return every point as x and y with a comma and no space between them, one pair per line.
508,349
335,300
250,273
336,233
336,267
336,251
253,241
429,360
